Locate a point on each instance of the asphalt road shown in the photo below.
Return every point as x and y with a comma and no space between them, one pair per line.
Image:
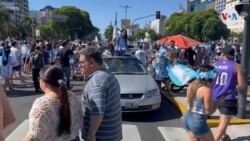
146,124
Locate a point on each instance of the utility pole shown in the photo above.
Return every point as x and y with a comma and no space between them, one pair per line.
245,66
244,10
126,8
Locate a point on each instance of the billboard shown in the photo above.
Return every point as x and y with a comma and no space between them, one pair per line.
125,23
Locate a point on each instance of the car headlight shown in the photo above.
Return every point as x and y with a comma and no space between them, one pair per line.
152,93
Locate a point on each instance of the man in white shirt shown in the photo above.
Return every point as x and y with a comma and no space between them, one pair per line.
108,51
141,55
16,54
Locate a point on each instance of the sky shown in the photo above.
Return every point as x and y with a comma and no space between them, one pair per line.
102,12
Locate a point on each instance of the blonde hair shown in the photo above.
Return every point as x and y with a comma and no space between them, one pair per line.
193,88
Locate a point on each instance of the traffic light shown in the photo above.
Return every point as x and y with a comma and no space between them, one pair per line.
158,15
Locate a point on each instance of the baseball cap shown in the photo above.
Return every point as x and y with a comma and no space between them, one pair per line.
228,52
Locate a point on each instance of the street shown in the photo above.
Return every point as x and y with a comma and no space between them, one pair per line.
145,126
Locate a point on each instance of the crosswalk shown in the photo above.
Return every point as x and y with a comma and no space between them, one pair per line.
132,133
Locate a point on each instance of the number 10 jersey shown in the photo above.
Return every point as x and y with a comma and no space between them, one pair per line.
226,81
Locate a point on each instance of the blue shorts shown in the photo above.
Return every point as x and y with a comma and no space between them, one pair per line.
196,123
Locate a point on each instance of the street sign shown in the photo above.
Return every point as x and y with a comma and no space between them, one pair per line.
37,32
125,23
229,16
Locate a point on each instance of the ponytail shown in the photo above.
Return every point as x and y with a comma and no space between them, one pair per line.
64,111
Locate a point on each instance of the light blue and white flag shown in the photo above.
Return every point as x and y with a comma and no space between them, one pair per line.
180,74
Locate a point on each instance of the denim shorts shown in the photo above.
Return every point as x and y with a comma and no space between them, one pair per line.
196,123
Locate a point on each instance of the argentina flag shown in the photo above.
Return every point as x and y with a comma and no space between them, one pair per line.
180,74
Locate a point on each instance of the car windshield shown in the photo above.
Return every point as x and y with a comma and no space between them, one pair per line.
124,65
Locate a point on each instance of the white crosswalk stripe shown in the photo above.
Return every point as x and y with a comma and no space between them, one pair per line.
173,133
131,132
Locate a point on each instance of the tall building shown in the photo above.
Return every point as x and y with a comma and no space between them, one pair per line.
210,4
17,8
46,14
239,25
158,25
36,14
147,25
200,5
220,5
190,5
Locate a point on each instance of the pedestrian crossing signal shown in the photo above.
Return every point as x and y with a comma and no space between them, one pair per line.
158,14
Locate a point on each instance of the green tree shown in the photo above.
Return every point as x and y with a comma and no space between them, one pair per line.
46,31
4,21
201,26
28,24
214,29
172,25
140,34
108,33
77,22
239,36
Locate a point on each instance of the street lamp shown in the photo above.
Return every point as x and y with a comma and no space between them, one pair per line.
126,9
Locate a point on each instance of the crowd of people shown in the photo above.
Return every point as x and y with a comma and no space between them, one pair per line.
215,86
59,115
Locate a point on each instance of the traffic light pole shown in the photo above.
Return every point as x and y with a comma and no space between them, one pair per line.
242,96
140,19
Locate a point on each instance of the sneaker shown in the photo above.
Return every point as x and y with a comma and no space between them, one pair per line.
226,138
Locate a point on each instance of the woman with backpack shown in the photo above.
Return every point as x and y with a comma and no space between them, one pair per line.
37,62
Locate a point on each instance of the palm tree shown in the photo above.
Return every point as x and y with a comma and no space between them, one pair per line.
5,20
27,24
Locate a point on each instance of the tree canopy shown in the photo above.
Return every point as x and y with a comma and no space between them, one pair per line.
77,22
202,26
5,21
108,33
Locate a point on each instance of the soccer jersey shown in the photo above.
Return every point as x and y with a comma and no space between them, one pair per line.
225,83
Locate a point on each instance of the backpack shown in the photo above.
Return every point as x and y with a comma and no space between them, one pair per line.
37,60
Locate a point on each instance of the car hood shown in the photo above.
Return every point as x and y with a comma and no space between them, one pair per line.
136,83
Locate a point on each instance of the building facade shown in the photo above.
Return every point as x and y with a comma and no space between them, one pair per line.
238,27
36,14
17,8
158,25
200,5
220,5
46,14
147,25
210,4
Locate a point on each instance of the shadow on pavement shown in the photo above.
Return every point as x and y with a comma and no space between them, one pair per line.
247,138
21,93
167,111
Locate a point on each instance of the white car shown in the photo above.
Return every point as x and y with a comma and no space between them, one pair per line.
139,91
